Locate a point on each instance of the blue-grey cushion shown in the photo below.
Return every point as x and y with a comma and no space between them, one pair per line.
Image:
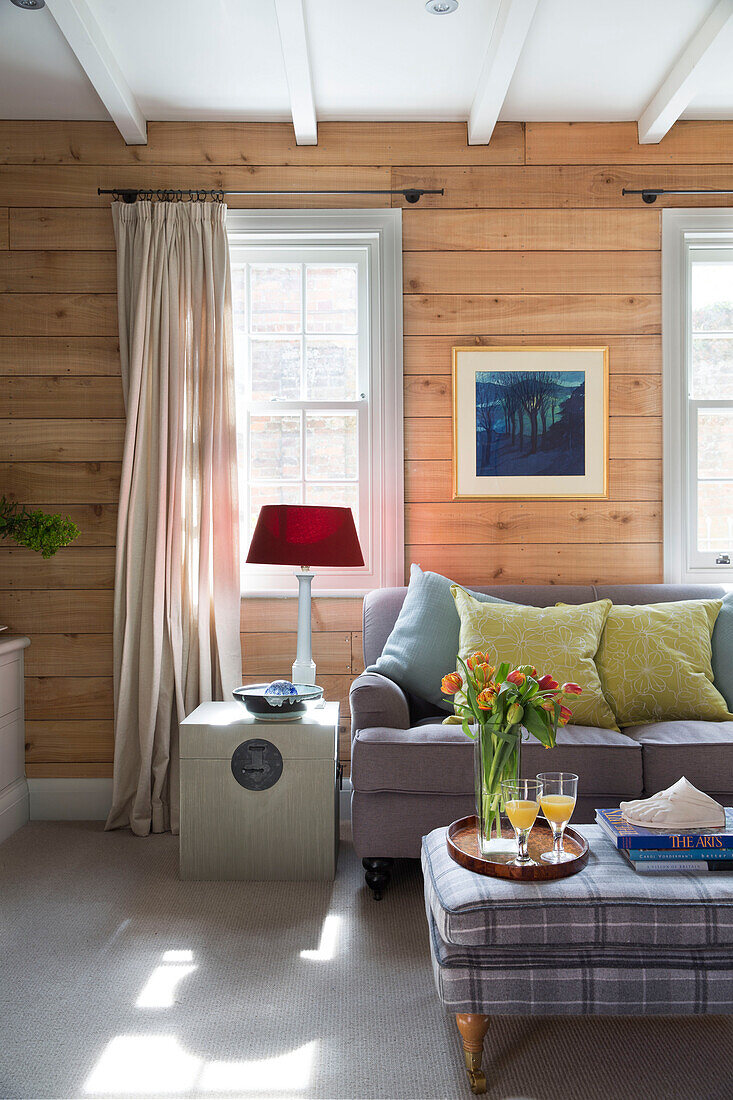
722,643
423,643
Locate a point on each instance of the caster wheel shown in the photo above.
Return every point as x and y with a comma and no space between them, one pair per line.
477,1081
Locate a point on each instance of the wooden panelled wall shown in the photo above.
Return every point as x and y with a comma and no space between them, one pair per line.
532,243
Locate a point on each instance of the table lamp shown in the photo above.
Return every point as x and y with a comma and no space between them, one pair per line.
291,534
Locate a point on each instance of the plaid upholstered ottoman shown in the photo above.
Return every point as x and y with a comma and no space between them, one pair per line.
604,941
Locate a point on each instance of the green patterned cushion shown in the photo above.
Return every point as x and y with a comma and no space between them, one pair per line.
560,640
654,662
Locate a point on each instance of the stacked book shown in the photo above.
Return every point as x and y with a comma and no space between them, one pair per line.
653,850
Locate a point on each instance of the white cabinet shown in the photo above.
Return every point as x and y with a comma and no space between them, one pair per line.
259,800
13,786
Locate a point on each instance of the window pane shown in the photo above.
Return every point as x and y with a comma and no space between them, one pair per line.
275,297
270,494
274,443
275,369
712,297
330,445
715,443
715,515
239,299
345,495
330,295
712,367
330,368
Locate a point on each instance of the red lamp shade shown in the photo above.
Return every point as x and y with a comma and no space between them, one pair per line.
301,534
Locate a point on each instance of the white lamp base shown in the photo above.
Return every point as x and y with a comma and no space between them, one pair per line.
304,672
304,667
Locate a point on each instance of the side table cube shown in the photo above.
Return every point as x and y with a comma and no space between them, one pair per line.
259,800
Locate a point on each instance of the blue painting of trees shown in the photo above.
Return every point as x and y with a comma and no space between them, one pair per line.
530,423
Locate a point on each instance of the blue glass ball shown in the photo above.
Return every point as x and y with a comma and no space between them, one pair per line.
281,687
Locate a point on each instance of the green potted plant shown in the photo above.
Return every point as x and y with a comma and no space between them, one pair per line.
44,532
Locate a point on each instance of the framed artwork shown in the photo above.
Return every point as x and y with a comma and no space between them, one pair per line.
530,423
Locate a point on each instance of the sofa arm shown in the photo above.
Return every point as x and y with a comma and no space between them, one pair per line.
377,701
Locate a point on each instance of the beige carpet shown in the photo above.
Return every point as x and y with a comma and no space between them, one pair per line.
118,980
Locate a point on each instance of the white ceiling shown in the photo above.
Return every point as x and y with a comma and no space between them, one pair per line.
370,59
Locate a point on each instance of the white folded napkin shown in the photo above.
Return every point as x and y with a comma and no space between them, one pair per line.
681,806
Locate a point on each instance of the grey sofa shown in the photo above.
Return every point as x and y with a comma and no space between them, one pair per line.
410,774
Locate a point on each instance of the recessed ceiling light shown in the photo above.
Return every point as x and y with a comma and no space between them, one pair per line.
29,5
441,7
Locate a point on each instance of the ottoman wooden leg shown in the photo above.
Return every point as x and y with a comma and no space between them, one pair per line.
473,1028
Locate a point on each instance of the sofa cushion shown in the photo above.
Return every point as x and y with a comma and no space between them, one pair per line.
723,650
654,662
434,758
605,761
423,643
426,758
701,751
559,640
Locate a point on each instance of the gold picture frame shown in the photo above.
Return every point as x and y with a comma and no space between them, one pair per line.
490,459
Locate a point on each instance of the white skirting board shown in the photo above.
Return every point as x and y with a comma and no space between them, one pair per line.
70,799
91,799
13,808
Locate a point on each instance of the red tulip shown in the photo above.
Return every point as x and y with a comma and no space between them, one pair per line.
451,683
572,689
546,683
516,677
565,716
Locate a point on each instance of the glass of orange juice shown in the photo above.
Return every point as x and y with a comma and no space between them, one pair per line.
559,792
522,804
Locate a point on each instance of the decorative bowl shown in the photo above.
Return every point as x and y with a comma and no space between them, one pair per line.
276,708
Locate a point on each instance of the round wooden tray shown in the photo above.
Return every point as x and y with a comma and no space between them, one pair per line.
463,848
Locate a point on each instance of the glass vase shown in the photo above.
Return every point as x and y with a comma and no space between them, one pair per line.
496,757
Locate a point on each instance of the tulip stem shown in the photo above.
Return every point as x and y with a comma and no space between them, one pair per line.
503,752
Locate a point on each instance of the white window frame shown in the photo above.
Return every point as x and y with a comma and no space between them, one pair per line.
376,234
683,231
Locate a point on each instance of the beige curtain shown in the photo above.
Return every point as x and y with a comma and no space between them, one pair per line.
176,606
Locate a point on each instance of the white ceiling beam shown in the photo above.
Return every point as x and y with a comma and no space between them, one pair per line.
291,24
81,30
511,28
683,80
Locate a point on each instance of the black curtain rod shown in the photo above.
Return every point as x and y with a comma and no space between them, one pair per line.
650,194
127,194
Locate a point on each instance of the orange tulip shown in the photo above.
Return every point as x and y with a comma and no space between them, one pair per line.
451,683
516,677
476,659
546,683
486,699
565,716
572,689
483,673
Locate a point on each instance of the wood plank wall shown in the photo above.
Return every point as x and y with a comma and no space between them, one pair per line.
532,242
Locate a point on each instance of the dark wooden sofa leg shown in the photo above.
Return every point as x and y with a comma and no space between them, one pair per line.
473,1028
378,874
